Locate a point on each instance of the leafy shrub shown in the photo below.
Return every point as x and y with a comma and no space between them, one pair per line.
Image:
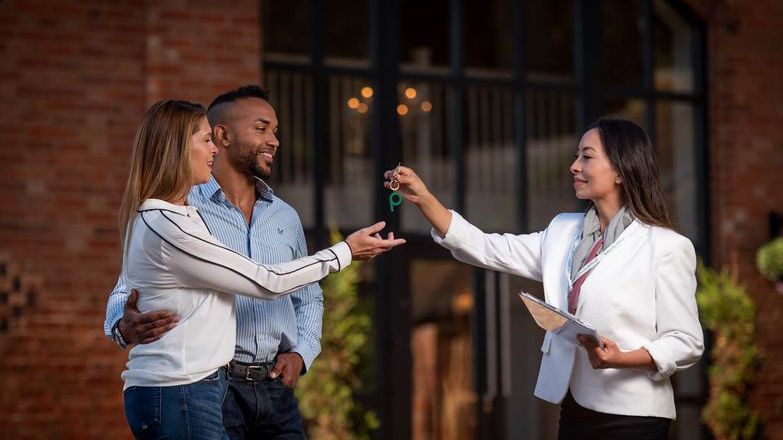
769,260
729,313
326,392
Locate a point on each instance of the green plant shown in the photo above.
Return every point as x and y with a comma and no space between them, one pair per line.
729,313
326,392
769,260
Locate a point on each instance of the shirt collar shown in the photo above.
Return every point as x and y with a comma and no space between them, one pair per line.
162,204
263,190
212,189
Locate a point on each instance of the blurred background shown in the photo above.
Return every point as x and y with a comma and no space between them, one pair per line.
485,99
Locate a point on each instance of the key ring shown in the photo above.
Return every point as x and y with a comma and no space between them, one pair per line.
395,199
394,185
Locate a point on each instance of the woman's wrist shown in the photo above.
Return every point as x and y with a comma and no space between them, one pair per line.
424,199
639,358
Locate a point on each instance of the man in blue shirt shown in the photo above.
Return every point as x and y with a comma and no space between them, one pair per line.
277,340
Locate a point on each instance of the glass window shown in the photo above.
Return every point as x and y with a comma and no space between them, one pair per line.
489,38
490,158
552,139
549,39
444,395
443,404
673,50
425,123
629,108
293,168
347,41
676,145
348,169
425,36
622,29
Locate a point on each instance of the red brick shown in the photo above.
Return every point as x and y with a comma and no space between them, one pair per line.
78,74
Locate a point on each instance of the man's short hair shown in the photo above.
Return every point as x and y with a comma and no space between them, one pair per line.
216,110
246,91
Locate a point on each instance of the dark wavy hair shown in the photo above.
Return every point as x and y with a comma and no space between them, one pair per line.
632,156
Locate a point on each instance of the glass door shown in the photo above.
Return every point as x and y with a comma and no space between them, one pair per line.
443,398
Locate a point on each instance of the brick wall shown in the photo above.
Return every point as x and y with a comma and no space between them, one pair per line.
199,48
745,60
76,77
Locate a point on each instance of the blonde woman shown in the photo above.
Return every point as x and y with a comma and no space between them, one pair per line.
174,386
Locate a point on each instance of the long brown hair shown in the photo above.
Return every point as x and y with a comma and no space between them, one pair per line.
160,162
632,156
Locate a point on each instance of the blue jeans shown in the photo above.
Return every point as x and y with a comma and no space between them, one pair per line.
264,409
191,412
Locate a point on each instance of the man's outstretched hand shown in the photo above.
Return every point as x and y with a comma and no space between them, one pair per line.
367,243
143,328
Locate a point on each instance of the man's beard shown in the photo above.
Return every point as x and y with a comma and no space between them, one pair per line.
255,169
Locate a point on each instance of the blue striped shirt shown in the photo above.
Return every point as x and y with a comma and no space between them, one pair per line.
274,235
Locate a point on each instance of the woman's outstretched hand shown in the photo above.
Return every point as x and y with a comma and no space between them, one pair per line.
415,191
411,186
367,243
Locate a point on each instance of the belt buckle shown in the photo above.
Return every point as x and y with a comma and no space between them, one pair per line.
250,368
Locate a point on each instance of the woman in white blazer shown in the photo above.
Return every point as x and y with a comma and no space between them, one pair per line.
620,266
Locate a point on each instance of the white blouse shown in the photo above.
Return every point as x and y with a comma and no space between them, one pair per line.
177,265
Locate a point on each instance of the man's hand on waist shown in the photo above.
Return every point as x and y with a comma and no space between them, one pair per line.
288,367
143,328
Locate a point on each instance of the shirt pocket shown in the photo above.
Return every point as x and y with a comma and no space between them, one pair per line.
277,244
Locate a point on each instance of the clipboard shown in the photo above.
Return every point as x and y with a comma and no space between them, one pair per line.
557,321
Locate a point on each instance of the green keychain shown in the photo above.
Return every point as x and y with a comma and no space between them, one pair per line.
395,199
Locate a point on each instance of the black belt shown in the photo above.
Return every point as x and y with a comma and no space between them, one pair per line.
251,372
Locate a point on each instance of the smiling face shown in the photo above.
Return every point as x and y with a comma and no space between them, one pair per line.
253,126
202,153
594,177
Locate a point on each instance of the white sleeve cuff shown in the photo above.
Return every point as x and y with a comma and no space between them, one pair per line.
664,362
343,253
307,357
454,234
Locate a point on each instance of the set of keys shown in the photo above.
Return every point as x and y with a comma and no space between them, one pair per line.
395,199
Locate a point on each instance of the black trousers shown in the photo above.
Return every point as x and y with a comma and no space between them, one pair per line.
579,423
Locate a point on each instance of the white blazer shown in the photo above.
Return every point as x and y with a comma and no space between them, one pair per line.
641,295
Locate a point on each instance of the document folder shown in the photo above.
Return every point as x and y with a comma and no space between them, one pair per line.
561,323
